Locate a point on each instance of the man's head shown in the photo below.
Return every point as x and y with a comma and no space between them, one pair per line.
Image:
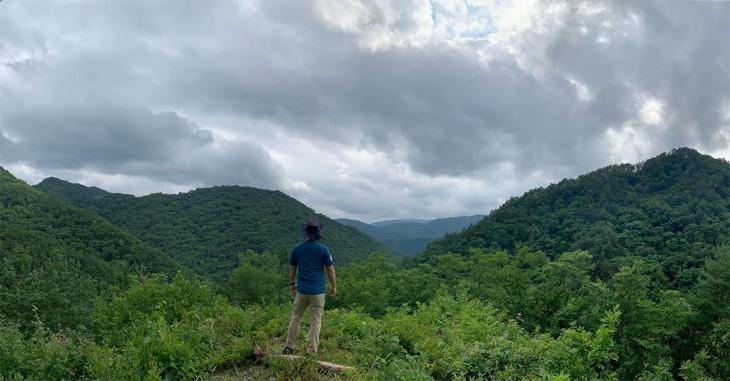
312,229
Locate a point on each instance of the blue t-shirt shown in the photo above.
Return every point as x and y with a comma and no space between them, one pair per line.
310,257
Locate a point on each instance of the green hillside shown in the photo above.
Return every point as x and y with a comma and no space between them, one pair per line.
515,297
54,258
208,229
672,209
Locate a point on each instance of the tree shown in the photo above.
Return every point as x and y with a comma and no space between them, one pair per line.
260,278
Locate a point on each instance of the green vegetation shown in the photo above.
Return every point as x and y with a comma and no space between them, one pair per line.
633,284
153,330
55,258
157,330
671,210
207,229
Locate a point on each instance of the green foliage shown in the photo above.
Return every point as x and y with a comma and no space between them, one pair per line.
260,278
712,291
670,210
696,369
43,355
152,330
30,287
180,330
461,338
651,322
619,274
562,294
634,236
304,369
563,299
173,330
711,328
375,284
206,229
55,258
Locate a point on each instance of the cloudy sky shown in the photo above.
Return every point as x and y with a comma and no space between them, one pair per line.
370,109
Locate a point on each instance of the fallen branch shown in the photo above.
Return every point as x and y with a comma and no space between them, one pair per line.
261,354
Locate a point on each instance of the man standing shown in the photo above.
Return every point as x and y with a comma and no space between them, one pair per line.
307,263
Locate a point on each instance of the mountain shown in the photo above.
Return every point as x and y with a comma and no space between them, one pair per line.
55,258
670,210
76,194
607,293
409,236
390,222
208,228
359,225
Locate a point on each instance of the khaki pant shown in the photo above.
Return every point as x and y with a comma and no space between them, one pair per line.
316,305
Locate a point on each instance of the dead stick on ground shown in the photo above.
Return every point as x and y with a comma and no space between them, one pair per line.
261,354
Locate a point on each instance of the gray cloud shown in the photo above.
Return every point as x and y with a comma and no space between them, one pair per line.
494,99
676,52
107,136
133,141
447,112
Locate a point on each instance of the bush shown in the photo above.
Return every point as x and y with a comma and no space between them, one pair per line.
456,337
43,355
260,278
174,330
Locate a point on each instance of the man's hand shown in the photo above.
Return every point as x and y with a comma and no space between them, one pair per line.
333,280
293,280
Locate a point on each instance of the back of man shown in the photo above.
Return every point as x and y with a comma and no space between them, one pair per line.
310,257
308,262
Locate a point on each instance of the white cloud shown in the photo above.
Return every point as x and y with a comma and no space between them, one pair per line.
652,111
581,90
628,144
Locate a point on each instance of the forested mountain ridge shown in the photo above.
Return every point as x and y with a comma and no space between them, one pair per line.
56,257
207,229
76,194
672,209
410,237
474,311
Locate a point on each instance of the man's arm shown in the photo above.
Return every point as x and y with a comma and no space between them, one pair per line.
292,279
333,280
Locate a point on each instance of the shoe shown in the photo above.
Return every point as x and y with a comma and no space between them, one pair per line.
288,351
311,355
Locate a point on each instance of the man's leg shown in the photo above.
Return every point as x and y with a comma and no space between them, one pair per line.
300,303
316,305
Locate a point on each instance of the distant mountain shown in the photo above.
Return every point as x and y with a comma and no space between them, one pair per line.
411,236
55,258
359,225
391,222
671,210
206,229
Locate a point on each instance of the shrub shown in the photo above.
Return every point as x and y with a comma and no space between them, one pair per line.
174,330
43,355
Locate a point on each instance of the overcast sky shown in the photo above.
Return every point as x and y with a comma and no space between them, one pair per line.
369,109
